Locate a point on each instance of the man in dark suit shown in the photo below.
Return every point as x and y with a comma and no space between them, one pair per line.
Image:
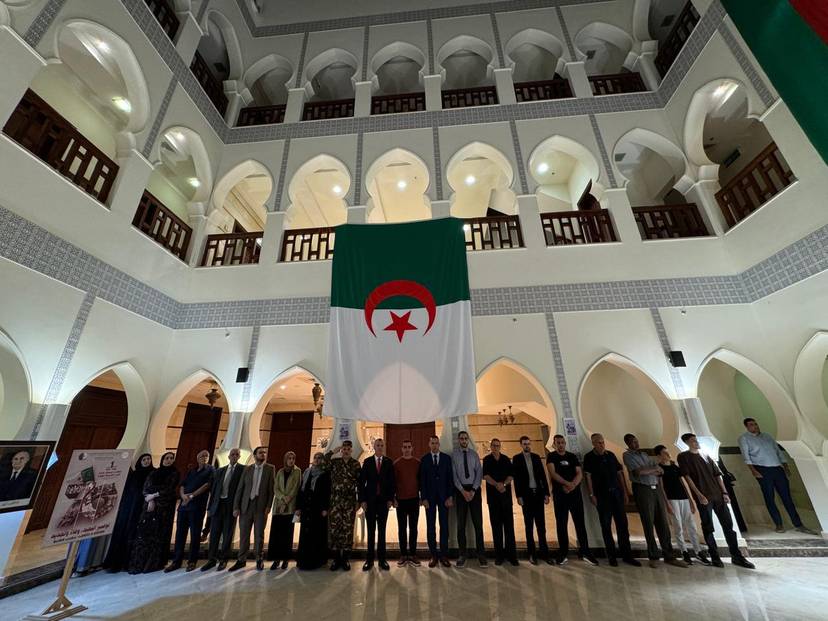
18,483
251,504
376,491
532,493
220,511
437,496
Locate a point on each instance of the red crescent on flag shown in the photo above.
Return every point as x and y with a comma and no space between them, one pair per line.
394,288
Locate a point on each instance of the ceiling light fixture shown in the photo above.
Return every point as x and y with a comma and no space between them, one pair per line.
337,189
103,46
283,387
122,104
724,91
470,180
542,168
194,182
401,184
178,136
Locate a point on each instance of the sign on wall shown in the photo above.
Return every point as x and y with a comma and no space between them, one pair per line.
22,468
89,496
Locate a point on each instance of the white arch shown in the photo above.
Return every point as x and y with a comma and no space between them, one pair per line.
265,65
393,50
641,20
704,101
325,59
672,154
317,163
392,157
539,38
546,412
575,150
482,150
231,42
156,434
15,387
807,382
194,147
470,43
236,174
124,60
605,32
784,408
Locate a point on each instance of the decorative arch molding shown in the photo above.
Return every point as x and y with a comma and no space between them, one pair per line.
201,160
156,434
574,149
236,174
124,61
323,60
394,156
641,20
539,38
265,65
684,173
609,33
393,50
703,102
483,150
15,387
471,44
784,408
807,382
317,163
231,41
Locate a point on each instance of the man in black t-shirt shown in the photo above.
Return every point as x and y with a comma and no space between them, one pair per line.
565,472
498,474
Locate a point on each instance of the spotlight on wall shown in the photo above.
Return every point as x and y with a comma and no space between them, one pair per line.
122,104
337,189
194,182
401,184
470,180
542,168
283,387
178,136
103,46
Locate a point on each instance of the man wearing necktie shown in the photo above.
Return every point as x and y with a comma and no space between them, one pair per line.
437,496
251,504
376,490
220,511
468,474
20,481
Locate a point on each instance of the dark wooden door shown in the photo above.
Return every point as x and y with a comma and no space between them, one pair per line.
418,433
290,431
96,420
198,433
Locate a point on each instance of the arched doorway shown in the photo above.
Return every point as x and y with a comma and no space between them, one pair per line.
481,178
397,68
397,182
15,387
465,62
535,56
97,419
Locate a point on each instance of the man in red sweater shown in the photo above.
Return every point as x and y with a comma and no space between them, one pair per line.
407,503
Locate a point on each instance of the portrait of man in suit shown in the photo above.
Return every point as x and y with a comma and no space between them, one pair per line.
19,480
21,468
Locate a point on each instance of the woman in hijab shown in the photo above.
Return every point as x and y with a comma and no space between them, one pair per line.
151,545
312,508
280,544
129,512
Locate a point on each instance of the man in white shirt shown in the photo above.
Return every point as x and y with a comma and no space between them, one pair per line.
220,511
251,505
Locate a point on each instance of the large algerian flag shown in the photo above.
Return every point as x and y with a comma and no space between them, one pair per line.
400,348
790,40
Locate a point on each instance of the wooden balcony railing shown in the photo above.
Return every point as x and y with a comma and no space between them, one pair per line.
469,97
165,14
669,221
41,130
232,249
391,104
563,228
336,109
762,179
682,29
308,244
557,88
261,115
617,83
159,223
493,233
211,84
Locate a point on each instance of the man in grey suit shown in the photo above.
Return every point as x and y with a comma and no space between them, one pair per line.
220,511
251,505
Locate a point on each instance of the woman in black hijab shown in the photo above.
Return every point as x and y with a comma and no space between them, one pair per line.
129,512
151,545
312,506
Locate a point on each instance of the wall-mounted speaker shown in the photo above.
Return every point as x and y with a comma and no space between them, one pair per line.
242,374
677,359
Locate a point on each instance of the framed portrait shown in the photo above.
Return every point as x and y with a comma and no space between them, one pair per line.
22,469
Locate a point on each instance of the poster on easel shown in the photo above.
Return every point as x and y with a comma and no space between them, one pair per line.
87,503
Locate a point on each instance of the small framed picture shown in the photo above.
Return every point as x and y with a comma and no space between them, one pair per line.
23,467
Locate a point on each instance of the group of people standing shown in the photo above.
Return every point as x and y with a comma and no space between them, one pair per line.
325,498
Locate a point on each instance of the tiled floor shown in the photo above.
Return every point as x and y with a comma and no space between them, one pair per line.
779,589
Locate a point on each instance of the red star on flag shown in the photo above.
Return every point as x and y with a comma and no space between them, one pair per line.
400,324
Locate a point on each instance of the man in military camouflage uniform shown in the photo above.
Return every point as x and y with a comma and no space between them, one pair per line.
344,478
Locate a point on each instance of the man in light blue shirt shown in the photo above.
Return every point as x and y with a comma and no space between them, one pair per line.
468,475
768,464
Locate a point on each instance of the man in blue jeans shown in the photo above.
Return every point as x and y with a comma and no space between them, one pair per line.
194,493
768,464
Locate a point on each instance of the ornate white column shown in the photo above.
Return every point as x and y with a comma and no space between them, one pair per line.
645,64
188,35
433,85
362,99
272,238
295,105
578,80
530,223
505,86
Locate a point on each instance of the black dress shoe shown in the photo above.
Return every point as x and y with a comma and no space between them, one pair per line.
208,565
335,564
741,561
613,561
533,560
172,567
368,566
346,565
190,566
445,562
259,564
221,566
284,564
498,562
514,562
631,561
237,565
274,566
383,565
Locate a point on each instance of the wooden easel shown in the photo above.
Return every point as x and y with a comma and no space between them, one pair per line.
62,607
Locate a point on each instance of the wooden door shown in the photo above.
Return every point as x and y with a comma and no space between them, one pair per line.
96,420
198,433
418,433
290,431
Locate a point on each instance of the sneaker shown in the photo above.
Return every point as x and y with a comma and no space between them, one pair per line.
703,558
461,561
590,560
780,529
414,561
562,560
686,556
741,561
807,531
402,562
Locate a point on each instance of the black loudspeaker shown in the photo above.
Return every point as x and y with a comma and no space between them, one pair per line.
677,359
242,374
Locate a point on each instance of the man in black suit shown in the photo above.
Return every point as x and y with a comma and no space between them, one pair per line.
437,496
18,483
220,511
532,493
376,489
